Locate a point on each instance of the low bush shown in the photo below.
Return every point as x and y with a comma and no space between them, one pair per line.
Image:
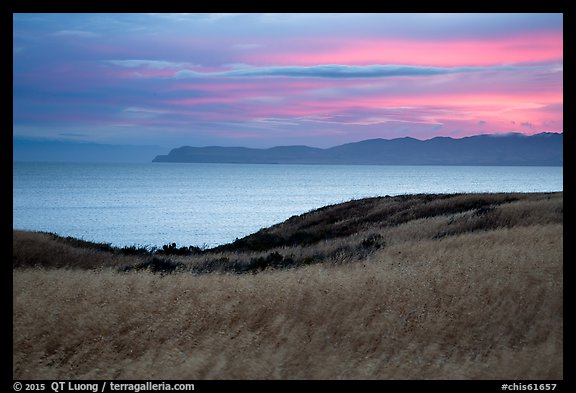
156,265
172,249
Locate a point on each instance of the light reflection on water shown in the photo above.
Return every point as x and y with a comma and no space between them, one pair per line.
210,204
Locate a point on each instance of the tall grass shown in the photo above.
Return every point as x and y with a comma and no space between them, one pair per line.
443,297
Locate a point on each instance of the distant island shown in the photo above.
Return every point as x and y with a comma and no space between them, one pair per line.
543,149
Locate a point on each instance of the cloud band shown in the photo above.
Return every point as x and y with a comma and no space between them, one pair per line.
340,71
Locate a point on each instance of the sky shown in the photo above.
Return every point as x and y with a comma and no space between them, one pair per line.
262,80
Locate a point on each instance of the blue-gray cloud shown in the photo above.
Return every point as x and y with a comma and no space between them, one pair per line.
153,64
249,25
76,33
341,71
73,134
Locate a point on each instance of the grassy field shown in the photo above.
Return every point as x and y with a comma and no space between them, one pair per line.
461,286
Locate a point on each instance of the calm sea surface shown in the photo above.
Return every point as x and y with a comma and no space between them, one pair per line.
210,204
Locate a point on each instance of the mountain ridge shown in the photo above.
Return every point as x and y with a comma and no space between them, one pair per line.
513,149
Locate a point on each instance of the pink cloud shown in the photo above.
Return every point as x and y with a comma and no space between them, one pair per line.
526,48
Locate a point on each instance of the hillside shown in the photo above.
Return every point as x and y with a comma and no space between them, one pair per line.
510,149
459,286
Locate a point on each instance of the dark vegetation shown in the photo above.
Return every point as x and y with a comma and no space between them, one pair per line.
339,233
156,265
355,216
172,249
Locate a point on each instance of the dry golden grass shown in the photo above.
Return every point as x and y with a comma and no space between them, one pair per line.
444,298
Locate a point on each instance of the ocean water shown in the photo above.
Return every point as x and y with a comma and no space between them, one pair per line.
153,204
